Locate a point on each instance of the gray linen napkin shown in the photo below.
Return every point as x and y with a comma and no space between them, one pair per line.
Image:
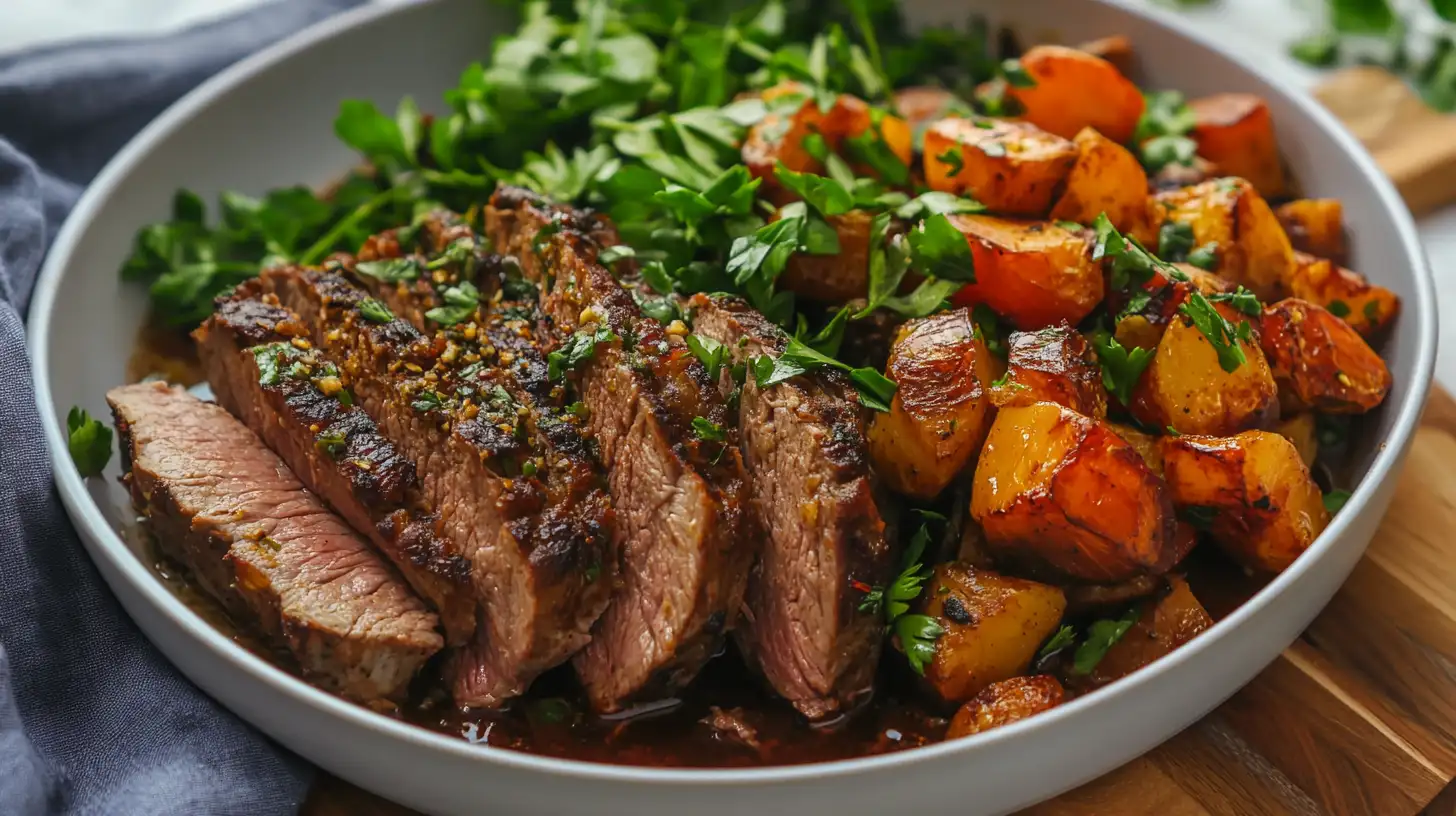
93,720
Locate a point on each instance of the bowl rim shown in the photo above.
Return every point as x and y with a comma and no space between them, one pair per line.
86,514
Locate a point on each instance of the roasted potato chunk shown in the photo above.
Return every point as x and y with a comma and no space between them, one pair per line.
1055,364
1185,387
1014,168
1106,179
1235,131
1057,489
1145,444
1321,361
1004,703
1229,214
1347,295
993,624
1162,626
1252,491
941,409
1301,430
1035,274
1075,90
779,137
1316,226
834,278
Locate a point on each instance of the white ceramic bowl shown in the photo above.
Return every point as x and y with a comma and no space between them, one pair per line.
267,122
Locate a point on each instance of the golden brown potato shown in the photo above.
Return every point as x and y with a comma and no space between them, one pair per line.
834,278
1347,295
1145,444
1055,364
942,407
1062,490
1321,361
1033,273
1301,431
1252,491
1316,226
1074,90
1116,49
1162,626
1014,168
1186,388
1004,703
1235,131
993,623
779,137
1249,243
1106,179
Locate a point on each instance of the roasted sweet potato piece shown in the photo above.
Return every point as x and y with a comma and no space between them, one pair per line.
1185,387
1300,429
1250,245
1074,90
1144,443
1057,489
1055,364
1252,491
1004,703
942,407
834,278
1162,626
1014,168
1321,361
1033,273
993,624
1316,226
1347,295
1235,131
779,136
1106,179
921,105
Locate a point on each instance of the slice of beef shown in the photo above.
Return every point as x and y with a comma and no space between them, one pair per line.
677,489
814,496
228,509
264,369
522,506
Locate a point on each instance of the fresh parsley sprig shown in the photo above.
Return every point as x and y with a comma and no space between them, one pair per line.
917,633
89,441
875,390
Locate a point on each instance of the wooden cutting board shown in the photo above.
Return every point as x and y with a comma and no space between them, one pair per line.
1358,716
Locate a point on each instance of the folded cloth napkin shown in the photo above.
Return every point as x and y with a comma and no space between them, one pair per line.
93,720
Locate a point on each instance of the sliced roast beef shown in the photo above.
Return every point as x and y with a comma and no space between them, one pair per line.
526,511
264,369
664,431
814,496
228,509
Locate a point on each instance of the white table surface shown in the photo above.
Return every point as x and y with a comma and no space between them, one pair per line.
1259,29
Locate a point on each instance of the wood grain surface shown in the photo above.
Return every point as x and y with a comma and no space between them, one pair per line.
1357,717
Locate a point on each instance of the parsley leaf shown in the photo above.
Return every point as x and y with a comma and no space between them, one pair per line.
875,389
89,441
827,196
709,431
1016,75
940,250
333,443
953,159
1243,300
1320,50
389,270
1101,636
1162,131
375,311
1335,500
994,333
1121,367
1221,334
1064,637
1204,257
918,635
937,203
1175,240
709,352
460,303
427,400
576,350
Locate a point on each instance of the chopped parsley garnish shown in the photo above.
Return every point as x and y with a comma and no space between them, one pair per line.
1204,257
709,352
1320,50
1063,638
875,389
1101,636
333,443
1242,300
1339,308
1016,75
389,270
1335,500
375,311
460,303
917,633
1175,241
1222,335
615,253
270,358
953,159
940,250
994,331
1121,367
709,431
1162,131
427,400
89,441
576,350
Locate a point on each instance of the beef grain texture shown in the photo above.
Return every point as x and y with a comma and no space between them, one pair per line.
813,494
334,449
678,497
542,562
228,509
